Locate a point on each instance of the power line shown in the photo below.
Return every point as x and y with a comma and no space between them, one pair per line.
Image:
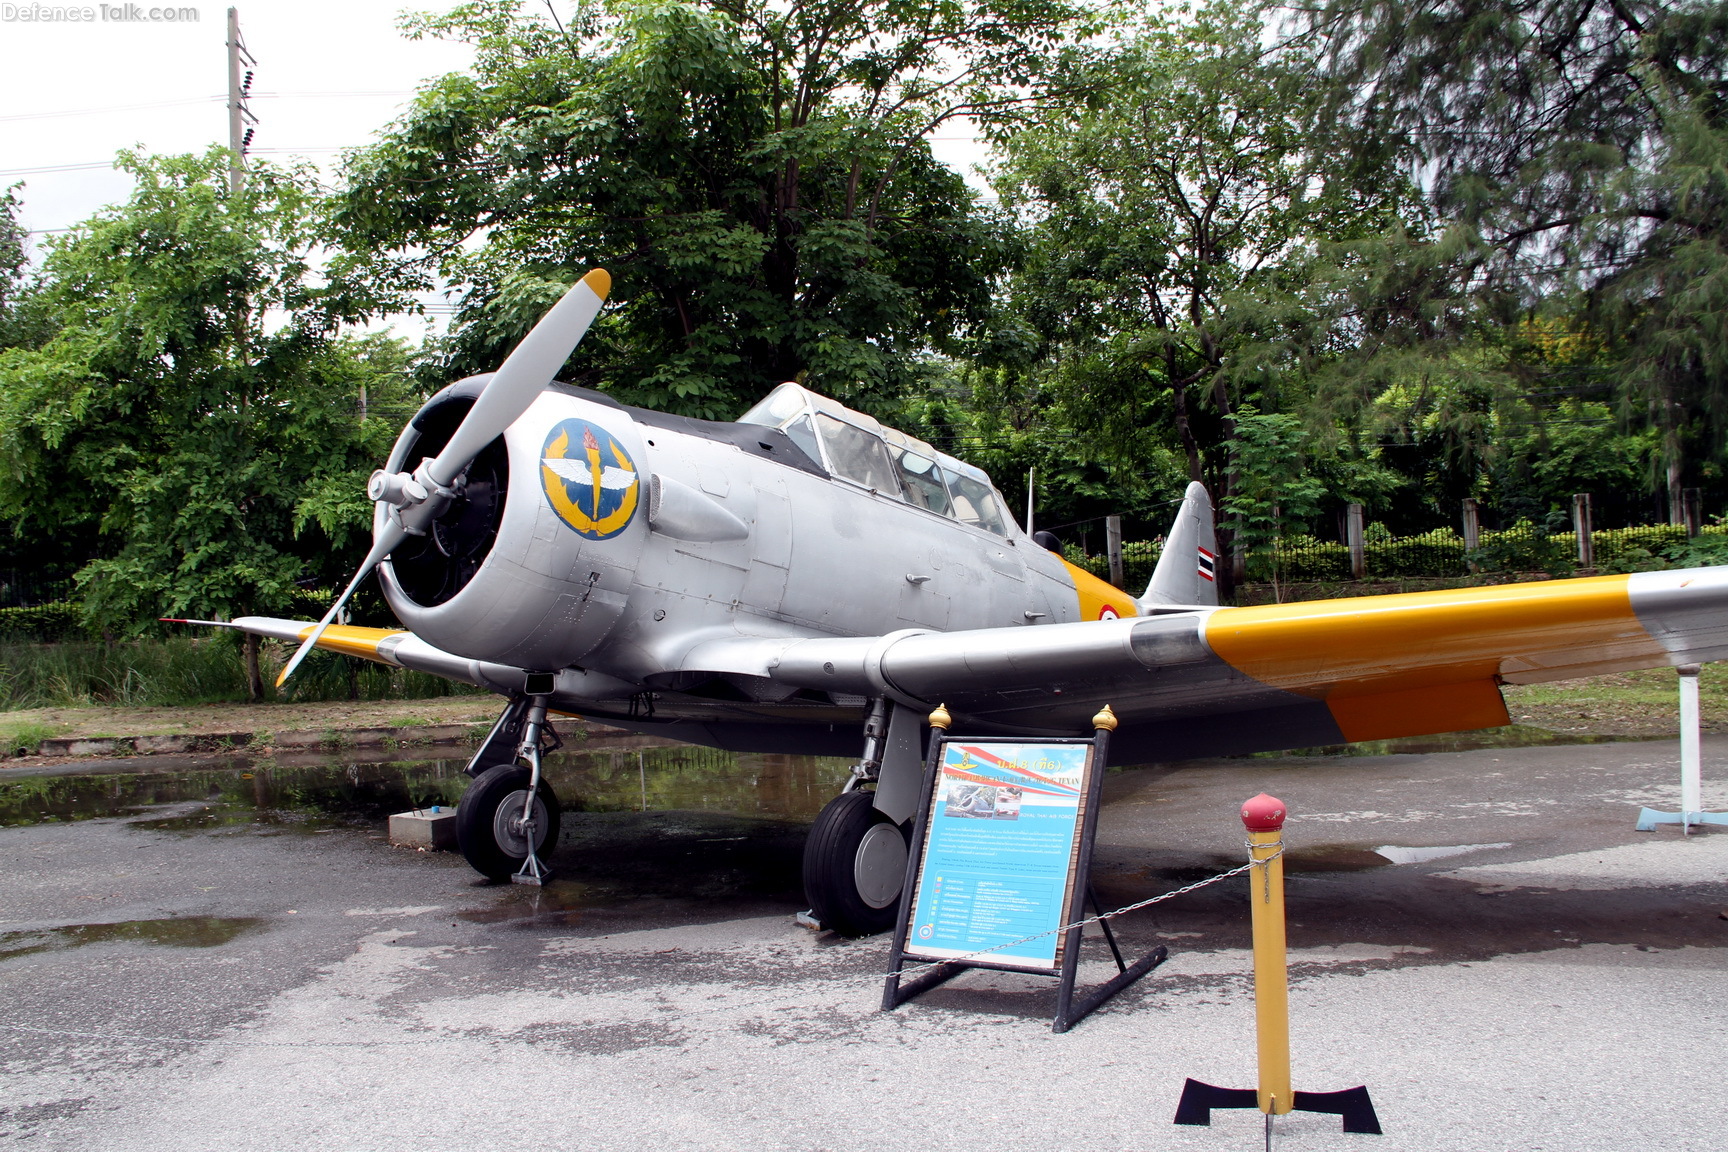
58,168
194,100
112,109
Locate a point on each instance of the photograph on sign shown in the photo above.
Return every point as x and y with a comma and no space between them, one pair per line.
998,858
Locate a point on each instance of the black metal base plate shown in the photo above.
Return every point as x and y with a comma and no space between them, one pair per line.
1352,1105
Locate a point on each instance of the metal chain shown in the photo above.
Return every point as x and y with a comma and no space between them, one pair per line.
1147,903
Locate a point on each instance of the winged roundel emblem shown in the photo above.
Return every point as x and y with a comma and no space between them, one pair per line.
589,479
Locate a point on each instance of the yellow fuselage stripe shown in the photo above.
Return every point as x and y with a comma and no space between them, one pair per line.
1095,595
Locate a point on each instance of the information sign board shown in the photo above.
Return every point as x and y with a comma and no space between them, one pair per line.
1003,839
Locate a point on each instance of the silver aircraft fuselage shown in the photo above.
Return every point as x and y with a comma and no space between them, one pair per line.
619,545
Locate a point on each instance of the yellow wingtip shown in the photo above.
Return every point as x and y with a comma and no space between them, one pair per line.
599,282
281,676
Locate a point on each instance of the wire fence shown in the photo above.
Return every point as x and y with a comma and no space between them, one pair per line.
1523,548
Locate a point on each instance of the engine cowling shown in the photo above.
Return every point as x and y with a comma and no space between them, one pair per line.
532,563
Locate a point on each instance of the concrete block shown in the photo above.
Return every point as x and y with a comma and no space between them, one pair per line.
438,734
424,828
88,746
153,744
305,738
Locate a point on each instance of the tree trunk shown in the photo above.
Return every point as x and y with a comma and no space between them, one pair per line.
254,677
1674,457
1184,427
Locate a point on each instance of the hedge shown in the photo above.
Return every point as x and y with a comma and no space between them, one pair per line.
1440,552
44,622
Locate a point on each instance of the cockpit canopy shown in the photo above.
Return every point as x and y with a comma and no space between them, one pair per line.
858,448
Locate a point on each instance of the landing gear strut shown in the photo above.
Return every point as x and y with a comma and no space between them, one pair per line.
509,814
855,858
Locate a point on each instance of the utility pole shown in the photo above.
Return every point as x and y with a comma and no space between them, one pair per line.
239,138
239,88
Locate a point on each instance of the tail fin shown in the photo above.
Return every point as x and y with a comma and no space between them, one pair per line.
1187,568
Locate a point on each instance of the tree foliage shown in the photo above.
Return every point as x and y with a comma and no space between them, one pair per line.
20,322
194,399
1577,151
1175,222
753,174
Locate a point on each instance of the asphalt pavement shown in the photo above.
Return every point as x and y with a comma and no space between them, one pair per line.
1553,979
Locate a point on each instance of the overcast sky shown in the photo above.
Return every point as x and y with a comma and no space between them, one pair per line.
330,73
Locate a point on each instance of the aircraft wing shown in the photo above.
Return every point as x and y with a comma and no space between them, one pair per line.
1185,682
1230,680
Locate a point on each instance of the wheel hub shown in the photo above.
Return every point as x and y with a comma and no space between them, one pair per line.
507,826
879,869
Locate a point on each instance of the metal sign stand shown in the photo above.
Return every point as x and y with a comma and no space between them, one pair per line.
1070,1007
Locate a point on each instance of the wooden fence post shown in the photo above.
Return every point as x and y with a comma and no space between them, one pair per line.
1113,547
1472,531
1582,527
1353,536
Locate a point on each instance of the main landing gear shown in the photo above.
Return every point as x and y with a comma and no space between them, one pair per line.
509,815
855,858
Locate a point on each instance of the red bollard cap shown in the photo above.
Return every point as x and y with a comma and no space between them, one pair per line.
1263,814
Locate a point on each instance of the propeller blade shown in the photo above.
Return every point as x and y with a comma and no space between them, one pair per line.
389,536
530,366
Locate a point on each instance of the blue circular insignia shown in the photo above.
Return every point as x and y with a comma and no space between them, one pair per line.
589,479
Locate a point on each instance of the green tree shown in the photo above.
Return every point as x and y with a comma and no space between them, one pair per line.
19,323
1576,152
1176,222
195,410
1276,493
755,175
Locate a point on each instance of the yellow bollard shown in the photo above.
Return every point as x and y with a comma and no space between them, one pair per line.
1263,816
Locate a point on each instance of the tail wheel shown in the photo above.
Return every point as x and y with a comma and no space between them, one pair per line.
854,866
489,826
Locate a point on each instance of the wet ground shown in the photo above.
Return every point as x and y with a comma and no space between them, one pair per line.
226,953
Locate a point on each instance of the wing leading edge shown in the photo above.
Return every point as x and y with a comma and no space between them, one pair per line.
1279,676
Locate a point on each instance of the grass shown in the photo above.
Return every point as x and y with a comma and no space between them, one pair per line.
183,671
1625,703
21,735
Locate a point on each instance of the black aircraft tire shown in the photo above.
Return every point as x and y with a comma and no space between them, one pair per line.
484,815
851,842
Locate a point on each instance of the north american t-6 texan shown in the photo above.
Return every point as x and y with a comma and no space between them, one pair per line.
807,580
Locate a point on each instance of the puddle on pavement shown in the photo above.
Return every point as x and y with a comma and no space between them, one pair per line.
1399,855
173,932
640,776
1332,858
644,820
1510,736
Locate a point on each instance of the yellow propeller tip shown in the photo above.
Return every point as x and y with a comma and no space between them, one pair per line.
599,282
281,676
